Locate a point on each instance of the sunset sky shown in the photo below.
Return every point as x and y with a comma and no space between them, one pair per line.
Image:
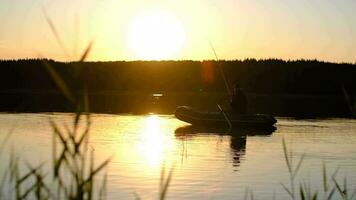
167,29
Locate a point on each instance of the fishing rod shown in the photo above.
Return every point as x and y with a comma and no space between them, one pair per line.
227,87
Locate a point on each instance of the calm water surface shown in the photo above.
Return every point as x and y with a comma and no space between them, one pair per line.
206,165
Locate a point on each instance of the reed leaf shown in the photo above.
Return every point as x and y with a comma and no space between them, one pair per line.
59,82
27,192
339,189
54,31
58,162
161,179
285,151
80,141
345,188
86,52
165,186
100,167
252,195
325,180
296,170
91,169
287,190
315,196
349,101
76,120
331,194
102,190
28,175
301,191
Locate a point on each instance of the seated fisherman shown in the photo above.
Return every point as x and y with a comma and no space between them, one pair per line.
238,101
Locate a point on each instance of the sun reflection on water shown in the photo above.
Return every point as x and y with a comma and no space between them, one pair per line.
154,142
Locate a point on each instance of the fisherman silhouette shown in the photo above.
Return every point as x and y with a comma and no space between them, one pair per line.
238,101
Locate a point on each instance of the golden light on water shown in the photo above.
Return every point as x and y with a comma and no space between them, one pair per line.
154,143
155,35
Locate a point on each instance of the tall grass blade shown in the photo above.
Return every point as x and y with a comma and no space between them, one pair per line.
315,196
349,101
86,52
59,134
307,190
58,163
252,196
345,188
94,172
54,152
287,190
285,151
80,141
76,120
164,190
59,81
161,179
54,31
91,169
102,191
28,191
301,191
291,159
296,170
339,189
325,180
331,194
29,174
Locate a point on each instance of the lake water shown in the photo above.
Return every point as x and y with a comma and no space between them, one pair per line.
205,165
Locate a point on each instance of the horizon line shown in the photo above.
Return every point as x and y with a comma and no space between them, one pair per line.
184,60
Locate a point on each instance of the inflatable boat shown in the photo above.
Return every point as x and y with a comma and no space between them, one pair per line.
198,118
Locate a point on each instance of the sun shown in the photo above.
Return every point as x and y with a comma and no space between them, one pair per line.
155,35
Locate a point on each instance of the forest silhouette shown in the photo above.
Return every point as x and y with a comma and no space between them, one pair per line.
301,88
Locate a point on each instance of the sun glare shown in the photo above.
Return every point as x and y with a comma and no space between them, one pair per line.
154,141
155,35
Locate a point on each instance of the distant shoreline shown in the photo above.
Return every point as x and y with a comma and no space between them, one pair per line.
305,88
291,105
183,60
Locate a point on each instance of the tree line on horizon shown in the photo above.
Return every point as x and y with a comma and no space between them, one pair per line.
268,76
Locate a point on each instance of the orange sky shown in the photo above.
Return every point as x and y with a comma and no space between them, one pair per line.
167,29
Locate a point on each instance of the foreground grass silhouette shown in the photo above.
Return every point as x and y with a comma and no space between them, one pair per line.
304,190
72,171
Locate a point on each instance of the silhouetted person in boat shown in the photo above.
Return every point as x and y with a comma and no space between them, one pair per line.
238,101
